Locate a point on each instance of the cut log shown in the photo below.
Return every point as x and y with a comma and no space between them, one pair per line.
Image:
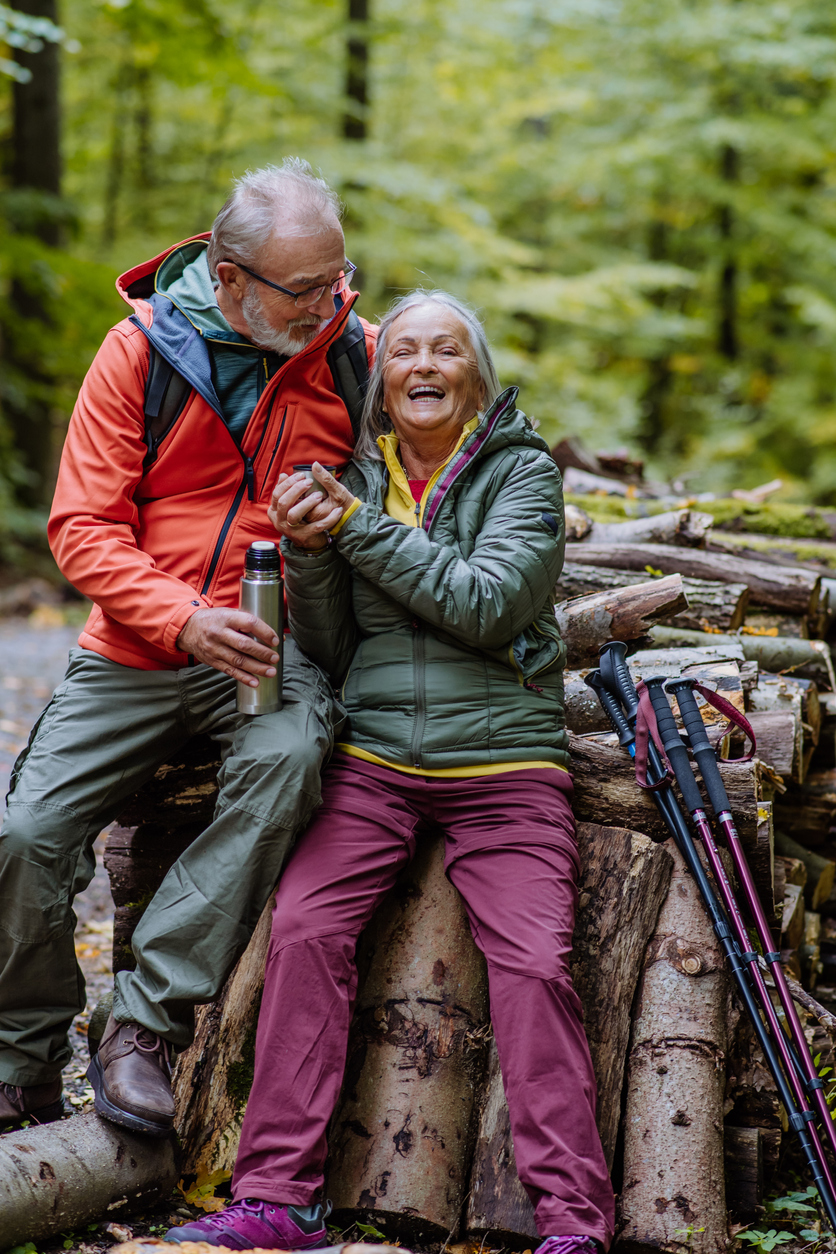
674,1108
686,528
401,1138
780,741
59,1175
792,918
808,819
806,659
606,790
577,522
720,606
788,588
762,861
810,952
743,1150
622,614
765,624
819,872
624,880
785,692
213,1078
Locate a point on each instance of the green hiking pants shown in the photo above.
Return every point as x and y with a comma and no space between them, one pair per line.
104,733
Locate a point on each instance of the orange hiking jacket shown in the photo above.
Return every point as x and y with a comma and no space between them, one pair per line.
150,546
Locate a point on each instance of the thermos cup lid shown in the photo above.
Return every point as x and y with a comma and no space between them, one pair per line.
262,555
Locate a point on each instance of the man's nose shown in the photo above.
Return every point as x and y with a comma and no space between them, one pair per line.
325,306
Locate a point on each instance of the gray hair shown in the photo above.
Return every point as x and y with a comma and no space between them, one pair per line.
375,421
248,220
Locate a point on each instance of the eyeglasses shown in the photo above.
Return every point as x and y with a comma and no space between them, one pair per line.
311,295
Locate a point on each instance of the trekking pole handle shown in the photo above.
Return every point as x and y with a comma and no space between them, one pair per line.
611,708
616,675
683,689
672,743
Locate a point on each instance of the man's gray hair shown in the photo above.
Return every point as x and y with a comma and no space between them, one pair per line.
261,201
375,421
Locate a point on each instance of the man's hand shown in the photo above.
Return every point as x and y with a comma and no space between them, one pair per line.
221,638
303,516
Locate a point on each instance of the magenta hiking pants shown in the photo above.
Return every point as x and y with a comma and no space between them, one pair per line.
512,855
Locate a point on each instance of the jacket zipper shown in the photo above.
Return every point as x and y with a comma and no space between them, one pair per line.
276,446
247,485
418,648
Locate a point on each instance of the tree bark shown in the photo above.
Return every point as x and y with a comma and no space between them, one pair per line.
721,606
623,614
62,1174
780,741
623,883
807,659
683,527
744,1172
797,696
789,588
820,872
805,818
213,1078
402,1136
673,1150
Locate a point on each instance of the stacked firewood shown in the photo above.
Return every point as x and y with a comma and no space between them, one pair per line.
688,1114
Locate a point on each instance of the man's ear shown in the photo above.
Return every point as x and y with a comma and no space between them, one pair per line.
232,280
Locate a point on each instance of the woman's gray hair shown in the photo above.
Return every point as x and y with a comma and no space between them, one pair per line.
260,201
375,421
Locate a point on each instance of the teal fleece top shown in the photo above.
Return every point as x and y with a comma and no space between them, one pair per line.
240,369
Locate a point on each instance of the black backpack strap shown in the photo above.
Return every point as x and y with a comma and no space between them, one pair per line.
166,393
349,363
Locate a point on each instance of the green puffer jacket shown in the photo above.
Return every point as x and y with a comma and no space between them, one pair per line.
446,631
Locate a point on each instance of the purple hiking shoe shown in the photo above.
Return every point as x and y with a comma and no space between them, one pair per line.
251,1224
569,1245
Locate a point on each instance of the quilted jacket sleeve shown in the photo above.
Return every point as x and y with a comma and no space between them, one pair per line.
318,591
498,591
94,523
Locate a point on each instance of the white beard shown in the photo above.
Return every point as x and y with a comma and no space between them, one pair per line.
265,336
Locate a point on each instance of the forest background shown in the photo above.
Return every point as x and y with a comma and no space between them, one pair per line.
638,195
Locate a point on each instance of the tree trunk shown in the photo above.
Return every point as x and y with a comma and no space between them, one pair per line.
623,614
674,1190
213,1078
623,883
355,118
744,1172
402,1136
721,606
789,588
36,167
780,741
63,1174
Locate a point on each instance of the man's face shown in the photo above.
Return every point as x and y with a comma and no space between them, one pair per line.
294,260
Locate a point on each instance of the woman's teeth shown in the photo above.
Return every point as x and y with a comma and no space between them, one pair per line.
426,393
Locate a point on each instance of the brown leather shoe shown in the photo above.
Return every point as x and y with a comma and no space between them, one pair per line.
31,1103
131,1078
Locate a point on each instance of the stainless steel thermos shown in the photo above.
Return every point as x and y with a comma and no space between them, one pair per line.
262,594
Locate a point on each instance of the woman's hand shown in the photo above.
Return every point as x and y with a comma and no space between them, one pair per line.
304,517
338,496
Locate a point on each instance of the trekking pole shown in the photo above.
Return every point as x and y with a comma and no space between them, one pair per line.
683,689
794,1057
614,681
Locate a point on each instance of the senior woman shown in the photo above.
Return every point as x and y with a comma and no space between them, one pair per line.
431,600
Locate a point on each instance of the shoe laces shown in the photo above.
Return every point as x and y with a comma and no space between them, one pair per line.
568,1245
247,1206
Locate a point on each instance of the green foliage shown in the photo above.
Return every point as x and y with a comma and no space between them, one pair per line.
638,195
369,1230
765,1241
19,30
795,1202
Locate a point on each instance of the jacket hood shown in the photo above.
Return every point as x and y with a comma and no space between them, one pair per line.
502,426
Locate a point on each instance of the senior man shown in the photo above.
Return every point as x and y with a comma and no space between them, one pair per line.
227,372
